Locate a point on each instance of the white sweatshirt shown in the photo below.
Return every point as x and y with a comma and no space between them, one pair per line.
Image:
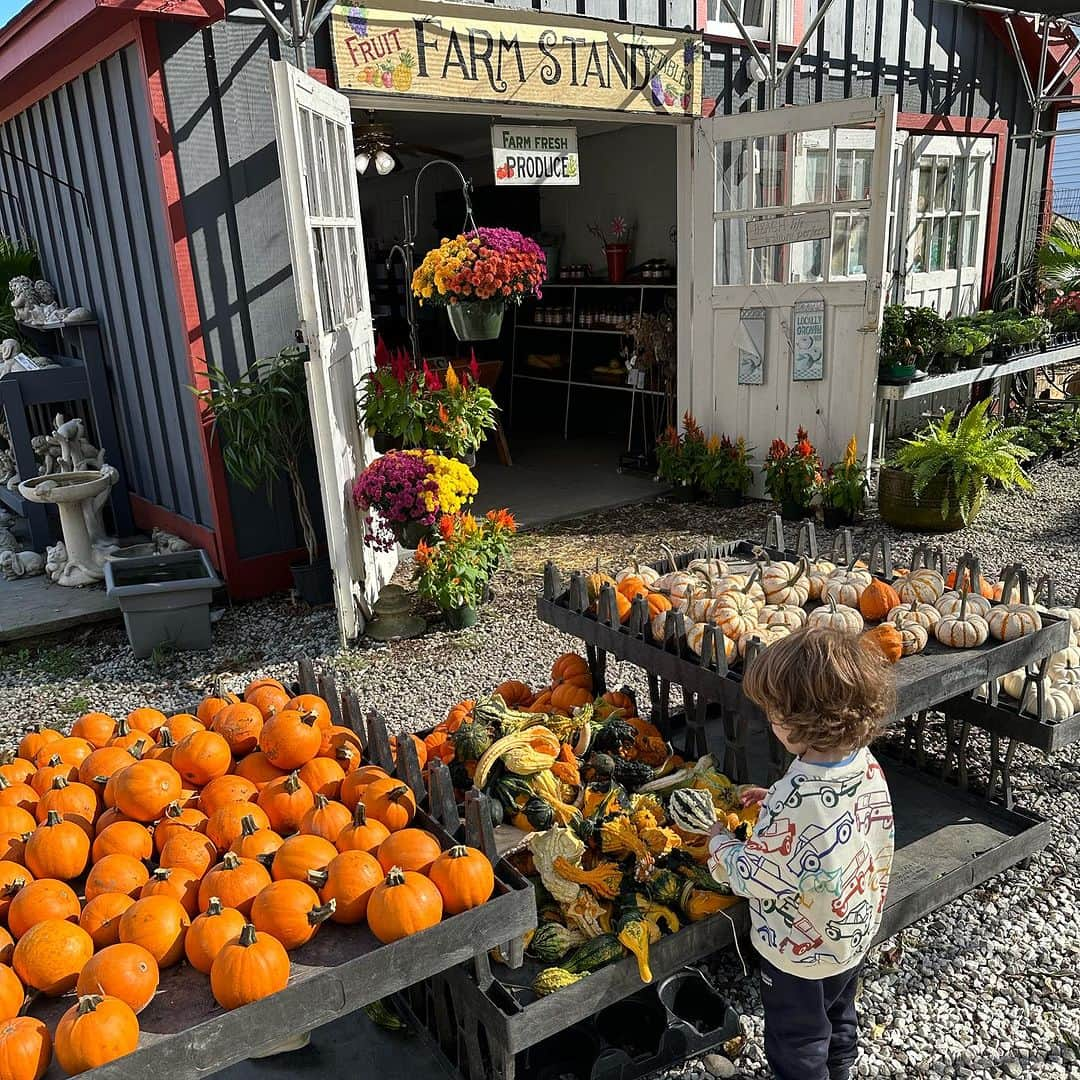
816,867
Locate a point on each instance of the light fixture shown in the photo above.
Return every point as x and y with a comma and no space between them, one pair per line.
374,146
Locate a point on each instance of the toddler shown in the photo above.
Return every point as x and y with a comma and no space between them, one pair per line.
815,869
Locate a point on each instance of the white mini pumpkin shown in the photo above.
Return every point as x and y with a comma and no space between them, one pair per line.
834,616
708,568
646,573
695,635
818,576
766,635
923,586
1058,703
949,603
750,586
1008,622
926,615
736,613
913,635
964,629
782,615
785,582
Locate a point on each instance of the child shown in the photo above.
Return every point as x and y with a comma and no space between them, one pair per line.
816,867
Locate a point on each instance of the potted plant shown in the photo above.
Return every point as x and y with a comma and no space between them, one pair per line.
938,476
792,475
616,248
264,426
725,474
897,356
402,493
455,572
475,275
680,458
960,343
464,411
843,489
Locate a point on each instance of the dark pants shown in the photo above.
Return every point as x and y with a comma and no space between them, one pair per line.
810,1028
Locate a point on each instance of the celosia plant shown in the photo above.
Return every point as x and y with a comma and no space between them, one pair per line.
844,486
455,571
793,473
407,486
489,264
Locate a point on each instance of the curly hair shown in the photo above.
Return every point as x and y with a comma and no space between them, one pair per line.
828,689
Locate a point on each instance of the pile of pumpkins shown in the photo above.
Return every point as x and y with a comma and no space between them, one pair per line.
780,596
224,837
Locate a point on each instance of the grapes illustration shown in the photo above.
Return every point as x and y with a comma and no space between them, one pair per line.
656,86
357,20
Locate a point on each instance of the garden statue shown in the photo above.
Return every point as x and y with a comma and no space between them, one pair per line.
166,543
7,540
79,486
35,303
12,358
19,564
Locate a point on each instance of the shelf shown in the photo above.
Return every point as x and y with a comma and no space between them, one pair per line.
607,285
561,381
570,329
581,384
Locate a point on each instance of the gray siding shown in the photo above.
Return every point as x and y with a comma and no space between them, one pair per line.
938,58
112,253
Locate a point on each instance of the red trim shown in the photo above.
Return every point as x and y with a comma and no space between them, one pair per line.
149,516
708,106
321,75
798,21
966,125
1030,42
252,578
224,537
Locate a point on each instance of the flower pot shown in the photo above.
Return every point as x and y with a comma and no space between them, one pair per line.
383,442
409,533
947,363
793,511
461,618
728,498
468,458
897,504
897,374
682,493
617,255
833,517
314,582
476,320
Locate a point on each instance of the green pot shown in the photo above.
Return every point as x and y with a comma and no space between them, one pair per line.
409,533
477,320
461,618
897,504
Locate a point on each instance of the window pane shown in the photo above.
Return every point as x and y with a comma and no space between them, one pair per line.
850,232
941,183
956,190
767,265
918,248
732,188
732,258
971,227
308,154
953,251
923,201
862,167
844,164
810,181
770,170
974,184
840,237
325,313
936,257
807,261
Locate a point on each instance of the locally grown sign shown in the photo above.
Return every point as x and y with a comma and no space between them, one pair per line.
464,52
534,156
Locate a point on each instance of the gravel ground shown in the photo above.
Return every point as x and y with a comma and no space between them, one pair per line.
987,987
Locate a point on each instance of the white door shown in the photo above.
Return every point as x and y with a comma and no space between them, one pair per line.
946,195
315,151
822,172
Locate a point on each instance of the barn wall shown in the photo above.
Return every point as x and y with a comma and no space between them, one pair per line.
112,253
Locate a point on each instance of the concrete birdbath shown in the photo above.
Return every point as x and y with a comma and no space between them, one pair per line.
80,497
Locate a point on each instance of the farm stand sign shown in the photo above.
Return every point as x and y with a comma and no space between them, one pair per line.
534,156
461,52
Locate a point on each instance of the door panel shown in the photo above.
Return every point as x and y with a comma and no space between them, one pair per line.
833,161
314,135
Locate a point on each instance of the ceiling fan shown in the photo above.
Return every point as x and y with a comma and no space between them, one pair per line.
376,145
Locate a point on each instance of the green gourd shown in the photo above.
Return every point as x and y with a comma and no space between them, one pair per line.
600,950
471,740
686,867
614,736
551,941
554,978
632,774
665,887
539,814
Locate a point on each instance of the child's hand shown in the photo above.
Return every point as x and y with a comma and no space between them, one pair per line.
753,795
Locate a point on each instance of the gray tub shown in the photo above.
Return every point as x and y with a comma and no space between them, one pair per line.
165,599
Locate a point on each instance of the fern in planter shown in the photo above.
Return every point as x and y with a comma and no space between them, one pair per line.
965,455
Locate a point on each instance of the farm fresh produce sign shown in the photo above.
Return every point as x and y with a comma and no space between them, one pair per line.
534,156
437,50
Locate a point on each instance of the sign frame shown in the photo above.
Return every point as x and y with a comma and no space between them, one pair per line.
788,228
808,341
537,159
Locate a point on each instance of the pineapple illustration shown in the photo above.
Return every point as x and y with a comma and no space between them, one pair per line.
403,73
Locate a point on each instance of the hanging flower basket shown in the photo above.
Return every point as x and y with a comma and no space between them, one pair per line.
478,320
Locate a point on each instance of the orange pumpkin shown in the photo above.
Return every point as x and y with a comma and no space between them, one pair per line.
16,770
25,1048
7,947
355,784
179,726
440,745
118,873
57,849
95,727
877,600
573,669
290,739
148,720
95,771
568,696
516,694
255,842
201,757
210,933
100,917
421,749
249,969
16,820
348,882
290,911
177,819
362,834
13,846
312,703
124,971
240,726
174,882
411,849
133,739
403,904
326,819
226,825
299,856
268,699
323,775
109,817
887,639
461,713
336,739
72,801
13,877
50,955
145,788
11,993
189,850
157,923
18,794
32,742
210,706
391,802
285,802
43,776
70,750
224,790
95,1031
235,882
985,587
37,901
258,768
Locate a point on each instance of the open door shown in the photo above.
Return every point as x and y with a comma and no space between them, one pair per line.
315,152
790,222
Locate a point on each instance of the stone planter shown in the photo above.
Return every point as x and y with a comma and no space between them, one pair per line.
897,504
165,599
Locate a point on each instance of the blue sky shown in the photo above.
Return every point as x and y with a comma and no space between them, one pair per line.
9,8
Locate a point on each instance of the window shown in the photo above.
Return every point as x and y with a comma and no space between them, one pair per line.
946,212
756,16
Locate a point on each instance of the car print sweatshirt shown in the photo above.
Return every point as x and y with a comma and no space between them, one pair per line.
816,867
